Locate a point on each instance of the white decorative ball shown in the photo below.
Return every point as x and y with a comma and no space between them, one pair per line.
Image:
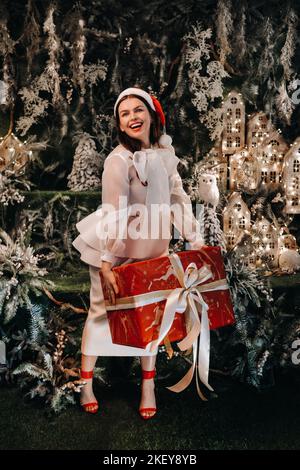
165,140
289,261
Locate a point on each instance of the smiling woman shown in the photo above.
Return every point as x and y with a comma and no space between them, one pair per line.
142,170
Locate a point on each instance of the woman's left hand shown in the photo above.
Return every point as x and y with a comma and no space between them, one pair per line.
109,281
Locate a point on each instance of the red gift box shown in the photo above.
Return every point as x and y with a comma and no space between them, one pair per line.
146,284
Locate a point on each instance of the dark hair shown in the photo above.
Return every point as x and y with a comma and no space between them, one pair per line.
130,143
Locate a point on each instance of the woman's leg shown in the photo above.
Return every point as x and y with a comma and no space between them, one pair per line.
148,394
87,394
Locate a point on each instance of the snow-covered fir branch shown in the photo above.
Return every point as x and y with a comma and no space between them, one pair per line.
20,274
205,79
224,27
85,174
288,49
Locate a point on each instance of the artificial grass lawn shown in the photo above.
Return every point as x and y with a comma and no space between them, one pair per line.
240,418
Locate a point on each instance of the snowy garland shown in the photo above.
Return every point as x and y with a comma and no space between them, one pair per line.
7,49
206,85
9,193
288,49
78,49
224,26
240,48
284,104
31,34
52,67
267,60
34,105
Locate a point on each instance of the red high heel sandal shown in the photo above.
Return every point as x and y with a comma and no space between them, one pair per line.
148,374
91,407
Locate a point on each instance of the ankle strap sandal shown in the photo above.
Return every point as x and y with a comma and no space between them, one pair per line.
148,374
147,413
87,374
91,407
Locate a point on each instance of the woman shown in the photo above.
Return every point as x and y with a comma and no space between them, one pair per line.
141,170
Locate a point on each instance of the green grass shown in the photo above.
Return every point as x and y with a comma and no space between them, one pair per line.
239,418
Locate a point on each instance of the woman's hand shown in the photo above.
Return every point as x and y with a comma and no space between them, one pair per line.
110,282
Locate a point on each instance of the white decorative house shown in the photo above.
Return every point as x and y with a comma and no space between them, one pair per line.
233,136
258,129
244,171
234,166
236,219
270,157
265,237
291,178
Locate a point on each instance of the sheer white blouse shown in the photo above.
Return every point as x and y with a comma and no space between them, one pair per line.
128,224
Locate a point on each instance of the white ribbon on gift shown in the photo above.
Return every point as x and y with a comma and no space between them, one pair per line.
179,300
185,298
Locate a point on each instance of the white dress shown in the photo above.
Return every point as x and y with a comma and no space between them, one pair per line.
123,175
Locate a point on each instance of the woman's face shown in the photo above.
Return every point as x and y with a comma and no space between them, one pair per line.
135,119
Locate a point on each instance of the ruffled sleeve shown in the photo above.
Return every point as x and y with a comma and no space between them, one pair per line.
181,208
102,232
115,204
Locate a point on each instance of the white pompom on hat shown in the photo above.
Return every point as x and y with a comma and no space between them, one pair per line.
164,140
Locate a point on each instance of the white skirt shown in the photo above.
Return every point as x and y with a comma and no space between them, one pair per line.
96,337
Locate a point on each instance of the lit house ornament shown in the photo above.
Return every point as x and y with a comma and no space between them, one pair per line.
244,171
291,178
270,157
258,129
236,219
265,238
13,154
233,137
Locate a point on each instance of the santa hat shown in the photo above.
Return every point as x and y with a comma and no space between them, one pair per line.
154,104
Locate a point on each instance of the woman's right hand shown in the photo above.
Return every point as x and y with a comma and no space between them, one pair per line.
111,284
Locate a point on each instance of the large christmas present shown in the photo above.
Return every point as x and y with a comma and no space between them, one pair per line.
168,296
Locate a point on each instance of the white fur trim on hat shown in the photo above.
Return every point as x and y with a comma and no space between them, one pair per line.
165,140
134,91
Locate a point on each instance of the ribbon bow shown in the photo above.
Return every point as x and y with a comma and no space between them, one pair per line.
184,299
